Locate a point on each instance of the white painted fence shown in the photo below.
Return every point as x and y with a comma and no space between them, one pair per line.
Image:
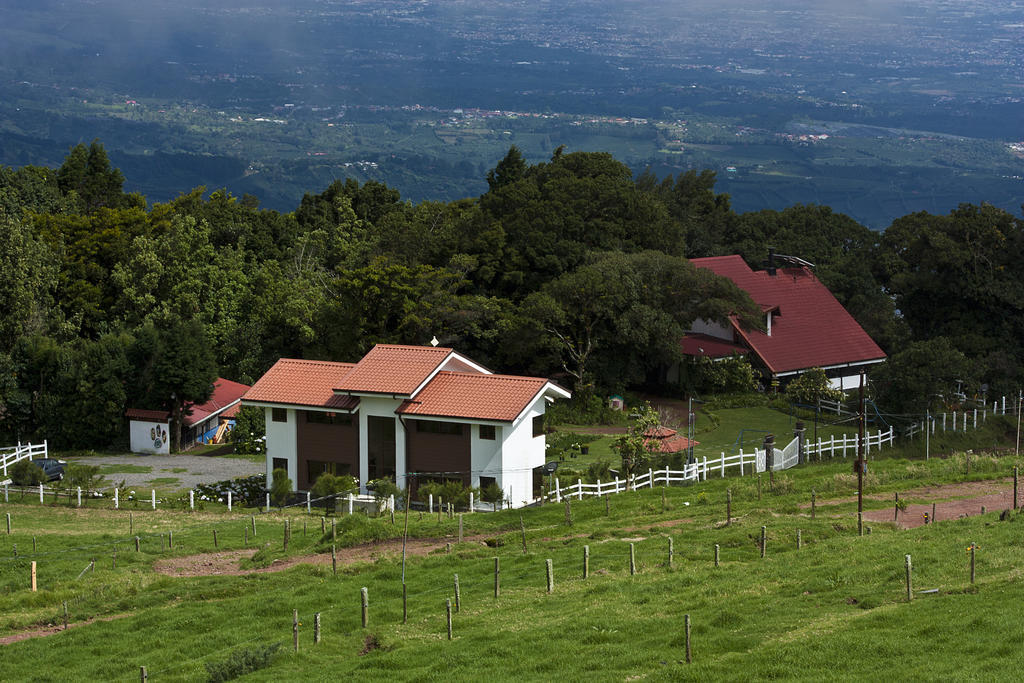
962,420
12,454
743,463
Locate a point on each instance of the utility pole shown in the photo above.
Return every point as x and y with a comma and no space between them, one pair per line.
860,461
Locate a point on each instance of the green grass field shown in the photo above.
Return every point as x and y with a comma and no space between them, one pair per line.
836,608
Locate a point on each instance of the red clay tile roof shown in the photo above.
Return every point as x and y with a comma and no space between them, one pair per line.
393,369
225,392
148,415
474,396
699,344
811,329
659,432
303,382
673,444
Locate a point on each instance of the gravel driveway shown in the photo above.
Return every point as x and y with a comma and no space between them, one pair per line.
164,470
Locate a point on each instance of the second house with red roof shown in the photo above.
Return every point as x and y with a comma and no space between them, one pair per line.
411,413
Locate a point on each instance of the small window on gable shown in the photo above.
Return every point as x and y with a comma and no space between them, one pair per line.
487,432
538,425
279,414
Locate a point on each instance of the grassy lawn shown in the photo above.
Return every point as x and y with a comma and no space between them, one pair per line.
164,481
797,613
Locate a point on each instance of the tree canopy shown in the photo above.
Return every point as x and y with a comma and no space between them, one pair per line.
570,268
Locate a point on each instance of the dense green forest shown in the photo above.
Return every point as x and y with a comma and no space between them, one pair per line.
572,268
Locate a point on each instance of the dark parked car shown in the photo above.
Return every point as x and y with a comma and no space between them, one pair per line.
51,467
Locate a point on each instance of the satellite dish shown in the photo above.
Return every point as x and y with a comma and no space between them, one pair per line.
434,342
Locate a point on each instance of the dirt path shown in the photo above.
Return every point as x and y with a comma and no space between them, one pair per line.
951,501
227,563
53,629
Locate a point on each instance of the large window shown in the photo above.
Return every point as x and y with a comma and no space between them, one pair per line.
279,414
432,427
318,417
487,432
538,425
314,468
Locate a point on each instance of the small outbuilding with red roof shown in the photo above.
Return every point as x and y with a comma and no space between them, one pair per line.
410,413
805,326
204,422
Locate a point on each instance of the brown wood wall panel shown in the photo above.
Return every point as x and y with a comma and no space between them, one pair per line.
426,452
327,443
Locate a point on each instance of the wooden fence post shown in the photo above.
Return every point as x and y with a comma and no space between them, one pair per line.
8,523
689,653
813,501
586,561
316,628
716,554
458,595
448,613
33,576
143,676
910,592
136,544
632,559
497,576
295,629
65,605
334,561
253,519
799,540
764,541
522,528
215,544
550,576
365,602
460,536
896,508
671,552
973,546
1015,487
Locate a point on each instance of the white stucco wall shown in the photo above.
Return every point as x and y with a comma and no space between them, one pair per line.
520,453
282,443
142,441
485,454
712,329
380,407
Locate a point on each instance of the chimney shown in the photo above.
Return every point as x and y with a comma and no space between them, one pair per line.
771,261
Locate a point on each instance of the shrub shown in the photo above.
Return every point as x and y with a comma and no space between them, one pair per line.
492,494
249,432
599,471
240,662
811,386
281,487
449,490
25,473
328,484
86,476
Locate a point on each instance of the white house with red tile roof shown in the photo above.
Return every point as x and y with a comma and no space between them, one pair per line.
413,413
805,326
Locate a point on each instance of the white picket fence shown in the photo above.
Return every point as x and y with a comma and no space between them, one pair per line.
744,463
12,454
848,444
962,420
